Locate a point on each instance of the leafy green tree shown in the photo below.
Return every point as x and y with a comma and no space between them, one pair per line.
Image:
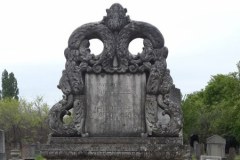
215,109
9,86
222,88
24,122
10,119
191,106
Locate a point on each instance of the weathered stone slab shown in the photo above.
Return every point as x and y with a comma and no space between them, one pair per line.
204,157
115,104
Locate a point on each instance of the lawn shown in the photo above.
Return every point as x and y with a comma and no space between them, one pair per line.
237,157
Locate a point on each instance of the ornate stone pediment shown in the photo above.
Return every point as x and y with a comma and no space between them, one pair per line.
116,30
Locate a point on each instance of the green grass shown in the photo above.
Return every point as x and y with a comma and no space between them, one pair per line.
39,157
193,157
237,157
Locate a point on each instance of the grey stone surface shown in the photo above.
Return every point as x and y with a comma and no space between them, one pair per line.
197,151
116,95
114,148
216,146
115,104
15,154
2,145
232,153
204,157
29,151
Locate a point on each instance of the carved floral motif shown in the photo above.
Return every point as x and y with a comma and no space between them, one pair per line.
116,31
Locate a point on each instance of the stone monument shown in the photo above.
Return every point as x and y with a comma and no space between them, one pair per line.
118,100
216,146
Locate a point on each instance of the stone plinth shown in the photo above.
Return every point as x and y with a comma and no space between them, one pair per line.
148,148
204,157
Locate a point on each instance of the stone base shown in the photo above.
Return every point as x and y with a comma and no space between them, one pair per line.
96,148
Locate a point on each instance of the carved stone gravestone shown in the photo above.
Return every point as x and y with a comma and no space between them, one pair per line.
123,105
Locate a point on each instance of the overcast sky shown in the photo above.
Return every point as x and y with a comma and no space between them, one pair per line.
203,38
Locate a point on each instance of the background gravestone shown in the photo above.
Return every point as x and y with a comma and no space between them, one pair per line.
216,146
124,105
15,154
29,151
2,146
232,153
195,148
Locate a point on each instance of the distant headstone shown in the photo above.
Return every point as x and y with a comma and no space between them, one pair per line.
202,148
15,154
125,105
29,151
195,148
197,151
232,153
2,146
231,142
216,146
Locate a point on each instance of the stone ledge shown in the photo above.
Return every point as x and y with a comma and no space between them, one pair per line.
112,140
204,157
114,148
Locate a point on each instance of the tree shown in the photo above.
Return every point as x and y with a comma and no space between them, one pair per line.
215,109
238,66
9,86
24,122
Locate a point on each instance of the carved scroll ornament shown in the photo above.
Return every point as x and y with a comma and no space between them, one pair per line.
116,31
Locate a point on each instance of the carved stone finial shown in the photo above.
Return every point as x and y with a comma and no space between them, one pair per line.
116,17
